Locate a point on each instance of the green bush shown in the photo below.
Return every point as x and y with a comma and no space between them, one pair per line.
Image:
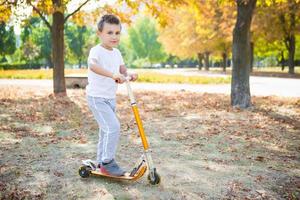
139,63
7,66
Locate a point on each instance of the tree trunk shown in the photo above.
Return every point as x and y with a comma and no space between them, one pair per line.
291,36
79,63
289,33
200,59
240,88
291,49
57,34
224,56
206,61
282,61
251,55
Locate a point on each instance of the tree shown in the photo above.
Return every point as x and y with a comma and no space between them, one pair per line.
224,22
289,22
28,26
279,22
38,34
187,35
7,40
240,90
30,51
143,41
265,48
76,36
199,29
42,38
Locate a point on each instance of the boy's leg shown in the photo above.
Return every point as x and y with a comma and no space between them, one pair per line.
90,101
104,113
99,146
111,139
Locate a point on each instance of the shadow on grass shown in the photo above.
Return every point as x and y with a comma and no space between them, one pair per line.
279,117
39,135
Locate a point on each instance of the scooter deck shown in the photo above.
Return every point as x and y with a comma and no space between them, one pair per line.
137,175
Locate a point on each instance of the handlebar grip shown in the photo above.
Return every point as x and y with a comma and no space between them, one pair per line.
128,78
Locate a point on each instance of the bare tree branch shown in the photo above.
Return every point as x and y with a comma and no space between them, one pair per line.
7,2
3,2
41,15
75,11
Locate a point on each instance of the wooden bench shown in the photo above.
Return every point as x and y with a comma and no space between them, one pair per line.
76,80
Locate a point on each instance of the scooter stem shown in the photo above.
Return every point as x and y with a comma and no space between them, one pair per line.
152,170
137,115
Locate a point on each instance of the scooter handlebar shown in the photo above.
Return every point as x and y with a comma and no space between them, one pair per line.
128,78
129,90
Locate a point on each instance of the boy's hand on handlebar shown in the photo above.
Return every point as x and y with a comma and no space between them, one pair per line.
119,78
133,77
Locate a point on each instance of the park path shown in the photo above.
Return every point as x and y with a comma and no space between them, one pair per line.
259,86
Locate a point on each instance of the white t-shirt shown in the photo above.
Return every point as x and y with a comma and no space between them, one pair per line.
102,86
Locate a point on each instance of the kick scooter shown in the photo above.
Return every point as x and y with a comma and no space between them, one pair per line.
89,167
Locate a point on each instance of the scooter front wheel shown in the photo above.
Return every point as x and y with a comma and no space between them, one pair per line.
84,171
155,179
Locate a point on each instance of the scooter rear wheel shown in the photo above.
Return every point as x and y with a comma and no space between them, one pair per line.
84,171
155,180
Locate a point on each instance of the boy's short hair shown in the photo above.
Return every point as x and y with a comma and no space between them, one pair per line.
110,19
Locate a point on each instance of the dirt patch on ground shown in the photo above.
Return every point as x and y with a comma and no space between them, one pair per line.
203,148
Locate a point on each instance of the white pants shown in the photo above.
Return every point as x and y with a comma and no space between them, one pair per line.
104,111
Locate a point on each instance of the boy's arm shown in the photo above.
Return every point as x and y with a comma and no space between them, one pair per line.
103,72
123,70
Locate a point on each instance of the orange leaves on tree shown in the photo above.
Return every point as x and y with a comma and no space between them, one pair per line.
5,13
198,27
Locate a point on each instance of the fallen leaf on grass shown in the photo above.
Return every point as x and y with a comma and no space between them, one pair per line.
260,158
259,178
261,192
58,174
82,141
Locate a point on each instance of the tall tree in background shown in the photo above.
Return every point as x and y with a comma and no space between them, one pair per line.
30,51
76,36
143,41
279,22
34,31
186,34
28,26
199,29
240,89
224,20
7,40
289,19
42,37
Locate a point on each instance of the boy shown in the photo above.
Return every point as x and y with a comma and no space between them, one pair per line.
105,70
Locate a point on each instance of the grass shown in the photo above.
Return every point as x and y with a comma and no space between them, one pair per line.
33,73
275,69
26,74
264,69
154,77
149,77
202,147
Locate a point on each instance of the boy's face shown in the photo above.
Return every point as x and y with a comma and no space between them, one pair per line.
110,35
